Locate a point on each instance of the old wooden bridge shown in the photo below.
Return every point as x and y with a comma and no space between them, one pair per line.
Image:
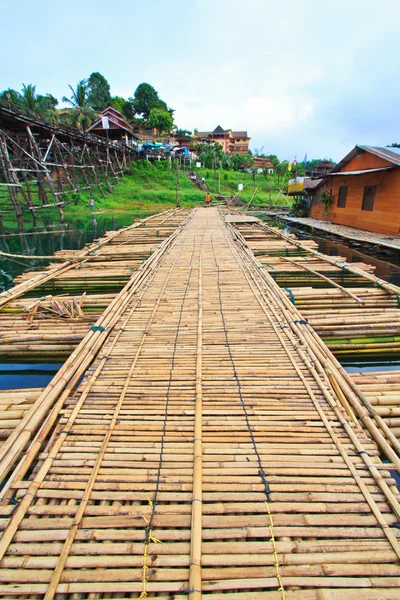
201,440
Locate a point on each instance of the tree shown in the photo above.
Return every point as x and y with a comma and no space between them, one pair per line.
118,102
81,115
122,106
273,159
161,120
145,99
32,102
9,96
183,133
98,90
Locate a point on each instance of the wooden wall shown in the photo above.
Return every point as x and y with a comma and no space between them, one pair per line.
385,218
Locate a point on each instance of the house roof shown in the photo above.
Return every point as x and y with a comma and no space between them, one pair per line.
114,117
358,172
219,129
239,134
384,153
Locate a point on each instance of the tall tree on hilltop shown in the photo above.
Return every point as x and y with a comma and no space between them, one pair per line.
145,99
81,115
99,95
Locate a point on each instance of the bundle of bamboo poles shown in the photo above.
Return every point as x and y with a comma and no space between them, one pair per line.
14,404
46,408
325,366
382,388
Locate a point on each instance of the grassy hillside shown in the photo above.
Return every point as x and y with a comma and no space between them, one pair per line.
268,191
150,187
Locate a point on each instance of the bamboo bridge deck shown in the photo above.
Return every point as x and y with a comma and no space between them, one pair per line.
213,448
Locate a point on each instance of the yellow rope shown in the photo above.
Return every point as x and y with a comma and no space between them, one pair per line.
150,538
275,552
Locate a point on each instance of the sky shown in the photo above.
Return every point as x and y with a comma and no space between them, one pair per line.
301,76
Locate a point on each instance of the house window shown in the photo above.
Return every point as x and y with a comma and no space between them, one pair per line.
369,197
342,196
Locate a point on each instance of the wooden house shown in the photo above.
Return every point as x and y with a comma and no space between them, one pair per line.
112,125
263,163
362,190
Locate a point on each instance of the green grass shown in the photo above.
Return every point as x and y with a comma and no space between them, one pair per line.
150,187
268,192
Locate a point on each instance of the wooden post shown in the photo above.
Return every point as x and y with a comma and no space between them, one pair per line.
177,185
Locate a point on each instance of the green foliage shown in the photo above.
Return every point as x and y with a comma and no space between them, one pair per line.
98,92
31,103
9,95
183,133
300,207
145,99
122,106
160,120
326,201
81,115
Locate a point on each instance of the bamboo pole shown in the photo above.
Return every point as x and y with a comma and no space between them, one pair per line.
330,281
195,576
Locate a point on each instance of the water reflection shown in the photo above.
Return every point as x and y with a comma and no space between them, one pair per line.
53,236
24,376
387,268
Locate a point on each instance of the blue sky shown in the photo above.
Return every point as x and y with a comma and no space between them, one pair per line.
299,75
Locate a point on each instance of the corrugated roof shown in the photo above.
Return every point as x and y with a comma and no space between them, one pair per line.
378,151
385,153
358,172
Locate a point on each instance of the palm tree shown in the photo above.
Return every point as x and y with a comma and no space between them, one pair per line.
32,102
80,115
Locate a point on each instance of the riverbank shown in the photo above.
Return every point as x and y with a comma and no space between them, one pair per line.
151,187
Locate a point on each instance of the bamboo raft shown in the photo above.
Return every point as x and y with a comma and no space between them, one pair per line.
200,442
352,310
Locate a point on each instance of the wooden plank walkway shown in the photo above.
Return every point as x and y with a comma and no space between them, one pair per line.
350,233
205,453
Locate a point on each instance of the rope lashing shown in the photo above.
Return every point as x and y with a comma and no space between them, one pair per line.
301,321
292,298
97,328
398,301
379,283
275,552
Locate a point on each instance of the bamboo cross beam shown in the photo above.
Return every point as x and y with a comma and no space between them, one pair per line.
327,279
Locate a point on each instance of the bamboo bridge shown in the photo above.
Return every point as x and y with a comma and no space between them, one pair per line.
201,439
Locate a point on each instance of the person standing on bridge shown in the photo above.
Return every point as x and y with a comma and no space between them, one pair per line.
208,199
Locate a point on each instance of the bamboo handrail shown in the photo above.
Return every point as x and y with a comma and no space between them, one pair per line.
327,279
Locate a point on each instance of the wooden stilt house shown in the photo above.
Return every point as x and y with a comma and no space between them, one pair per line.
362,190
112,125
